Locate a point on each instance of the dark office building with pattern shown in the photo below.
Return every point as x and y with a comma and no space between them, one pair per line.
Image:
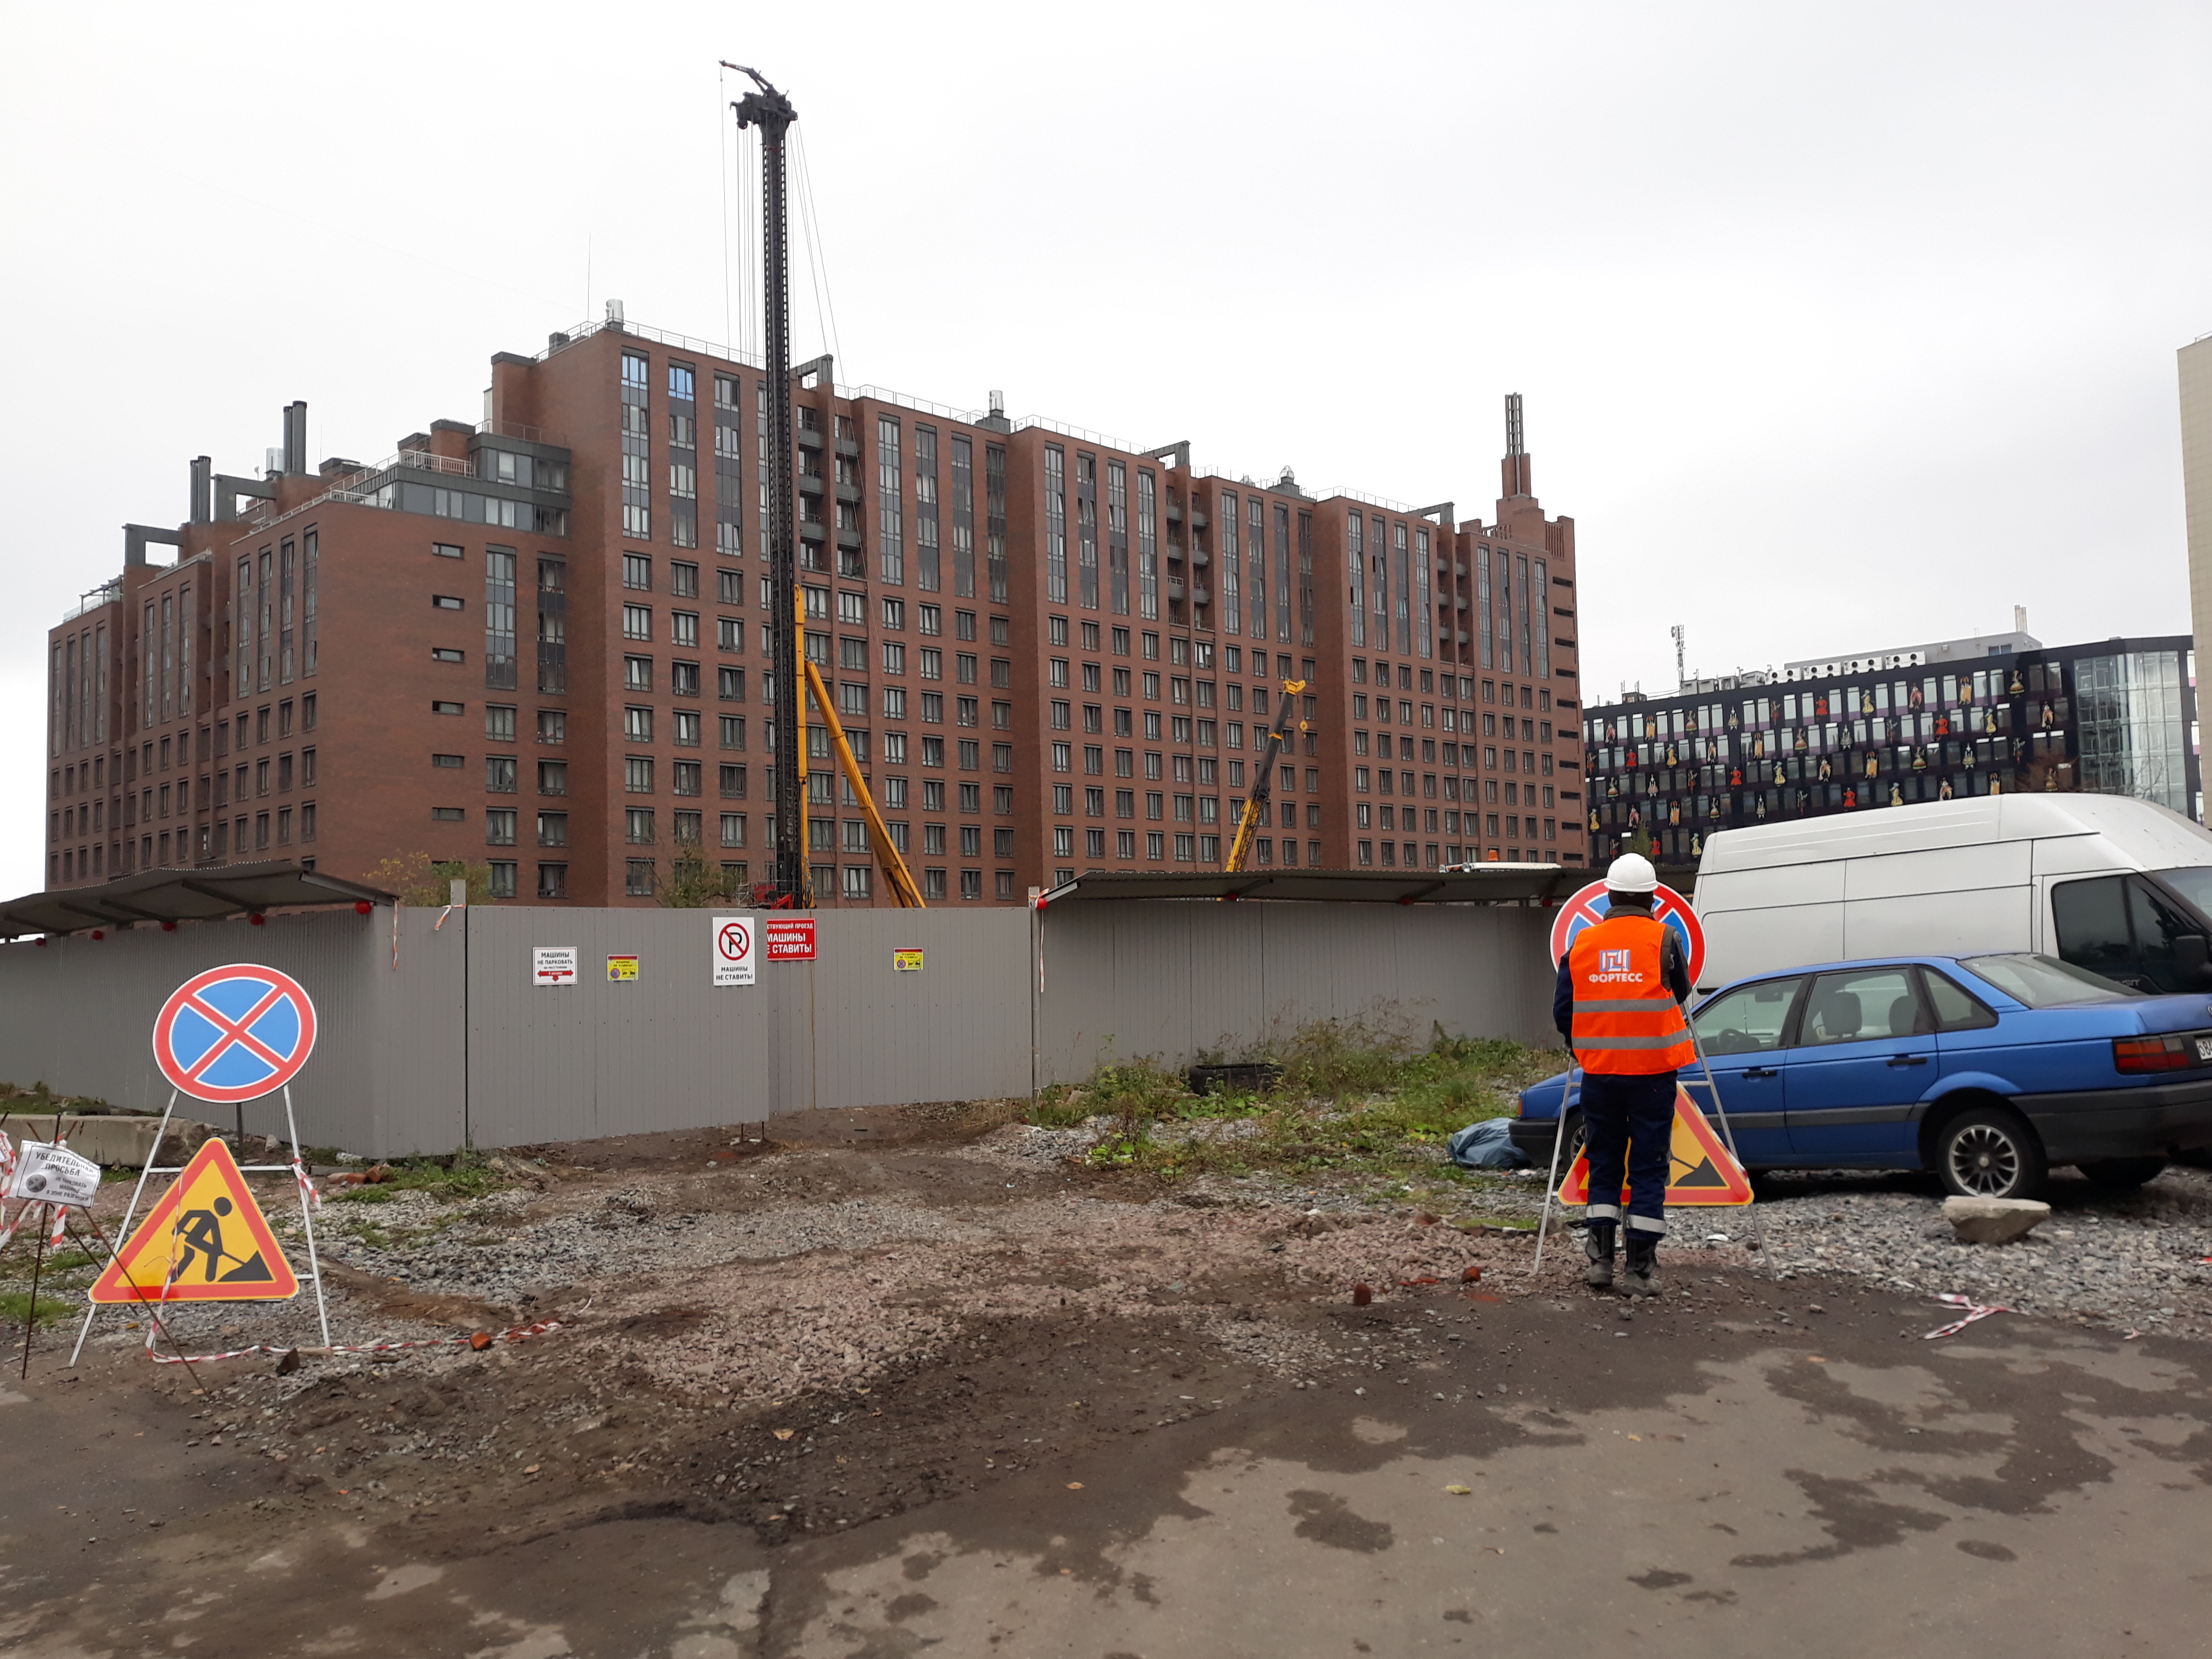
1971,717
539,642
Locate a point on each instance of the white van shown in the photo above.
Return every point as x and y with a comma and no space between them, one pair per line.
2120,886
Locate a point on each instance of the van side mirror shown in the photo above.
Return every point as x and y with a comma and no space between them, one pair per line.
2193,957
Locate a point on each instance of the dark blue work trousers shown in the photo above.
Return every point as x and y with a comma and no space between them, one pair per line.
1630,1121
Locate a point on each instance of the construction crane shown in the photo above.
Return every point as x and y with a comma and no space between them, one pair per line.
1255,815
772,112
897,876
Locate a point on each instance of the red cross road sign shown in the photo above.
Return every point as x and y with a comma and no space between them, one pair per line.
234,1033
1668,906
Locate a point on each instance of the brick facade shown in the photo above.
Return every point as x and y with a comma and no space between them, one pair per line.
540,642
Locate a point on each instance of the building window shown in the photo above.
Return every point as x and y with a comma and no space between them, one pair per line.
499,774
637,878
552,881
442,814
499,618
637,826
637,673
637,621
637,774
552,829
498,826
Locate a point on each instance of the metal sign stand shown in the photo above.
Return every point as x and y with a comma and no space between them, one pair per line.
296,1168
1552,1181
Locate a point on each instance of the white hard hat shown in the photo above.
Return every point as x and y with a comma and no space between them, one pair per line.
1631,872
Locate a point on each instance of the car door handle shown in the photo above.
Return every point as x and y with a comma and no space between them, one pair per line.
1760,1071
1908,1059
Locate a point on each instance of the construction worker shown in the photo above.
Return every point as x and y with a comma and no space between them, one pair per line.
1618,1003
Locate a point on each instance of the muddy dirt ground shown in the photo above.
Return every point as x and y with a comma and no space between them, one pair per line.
880,1325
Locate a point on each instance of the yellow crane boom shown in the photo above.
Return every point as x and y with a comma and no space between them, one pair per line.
896,874
1255,816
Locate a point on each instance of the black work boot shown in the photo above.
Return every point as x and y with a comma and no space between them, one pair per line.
1598,1246
1642,1278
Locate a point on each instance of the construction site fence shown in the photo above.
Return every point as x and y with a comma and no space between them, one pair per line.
433,1033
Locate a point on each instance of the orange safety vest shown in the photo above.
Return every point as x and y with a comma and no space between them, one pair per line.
1625,1020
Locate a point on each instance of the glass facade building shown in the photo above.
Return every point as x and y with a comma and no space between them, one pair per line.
2114,717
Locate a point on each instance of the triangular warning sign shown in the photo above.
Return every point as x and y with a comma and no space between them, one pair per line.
205,1241
1702,1172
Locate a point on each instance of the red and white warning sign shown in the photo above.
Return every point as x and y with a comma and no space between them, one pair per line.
734,952
788,940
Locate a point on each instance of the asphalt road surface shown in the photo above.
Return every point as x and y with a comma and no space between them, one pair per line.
1744,1474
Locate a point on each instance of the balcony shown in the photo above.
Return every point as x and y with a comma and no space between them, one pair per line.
849,494
813,530
849,448
848,537
1175,588
809,437
1198,520
1201,596
1175,511
1174,550
812,484
1200,558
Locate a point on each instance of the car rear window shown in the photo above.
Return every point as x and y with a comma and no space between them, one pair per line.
2041,982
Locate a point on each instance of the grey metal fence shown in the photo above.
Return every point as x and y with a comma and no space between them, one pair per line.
433,1036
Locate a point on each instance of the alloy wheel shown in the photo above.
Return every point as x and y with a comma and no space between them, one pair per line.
1984,1161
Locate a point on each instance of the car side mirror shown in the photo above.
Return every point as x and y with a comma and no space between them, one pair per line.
2193,958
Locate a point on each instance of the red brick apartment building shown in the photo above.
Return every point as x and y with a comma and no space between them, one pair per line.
541,642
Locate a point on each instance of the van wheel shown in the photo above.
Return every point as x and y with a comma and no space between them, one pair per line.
1990,1152
2120,1174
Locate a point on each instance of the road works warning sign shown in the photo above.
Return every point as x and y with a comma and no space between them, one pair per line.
1701,1172
206,1241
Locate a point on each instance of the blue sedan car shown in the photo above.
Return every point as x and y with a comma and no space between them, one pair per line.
1986,1070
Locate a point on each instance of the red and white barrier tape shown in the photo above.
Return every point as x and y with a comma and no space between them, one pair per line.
1974,1311
520,1333
309,1192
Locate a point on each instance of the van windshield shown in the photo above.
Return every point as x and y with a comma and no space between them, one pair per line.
2193,883
2044,981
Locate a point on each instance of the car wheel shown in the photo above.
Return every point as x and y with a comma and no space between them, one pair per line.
2121,1174
1990,1152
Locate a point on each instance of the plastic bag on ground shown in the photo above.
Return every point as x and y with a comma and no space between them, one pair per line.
1487,1145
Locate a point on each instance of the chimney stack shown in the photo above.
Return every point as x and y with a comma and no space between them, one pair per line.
202,490
295,438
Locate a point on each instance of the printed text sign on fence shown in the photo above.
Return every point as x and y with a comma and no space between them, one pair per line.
234,1033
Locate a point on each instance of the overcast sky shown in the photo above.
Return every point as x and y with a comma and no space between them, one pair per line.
1838,327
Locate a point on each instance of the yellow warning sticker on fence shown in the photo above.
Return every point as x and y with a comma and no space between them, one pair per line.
1701,1169
622,971
206,1241
906,962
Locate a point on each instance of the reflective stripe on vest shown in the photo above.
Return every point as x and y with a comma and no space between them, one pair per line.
1626,1021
